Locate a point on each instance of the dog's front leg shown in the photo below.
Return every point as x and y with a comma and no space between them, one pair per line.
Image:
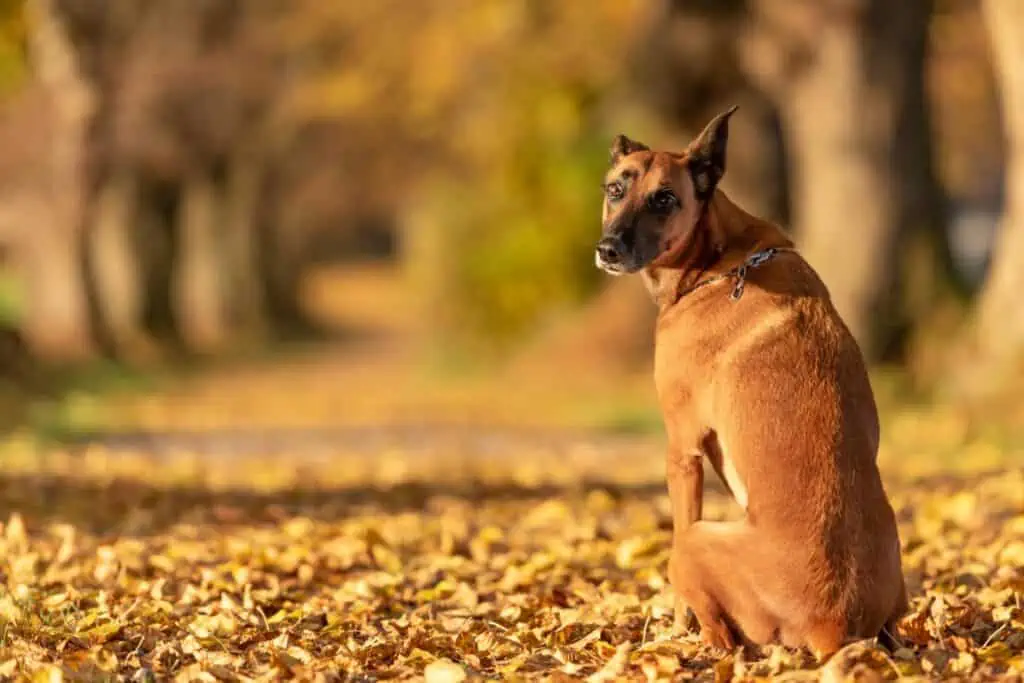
684,471
685,475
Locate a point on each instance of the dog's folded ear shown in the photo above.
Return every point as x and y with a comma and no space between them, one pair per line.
622,146
707,154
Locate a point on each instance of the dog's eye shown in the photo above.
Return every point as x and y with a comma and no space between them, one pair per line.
663,200
614,190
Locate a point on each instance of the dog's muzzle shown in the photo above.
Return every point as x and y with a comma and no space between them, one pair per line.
610,255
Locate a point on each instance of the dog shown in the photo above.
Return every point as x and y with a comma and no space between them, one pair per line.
757,374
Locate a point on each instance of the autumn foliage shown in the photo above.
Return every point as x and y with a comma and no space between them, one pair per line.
490,573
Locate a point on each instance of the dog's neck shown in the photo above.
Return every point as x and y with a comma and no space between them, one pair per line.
724,237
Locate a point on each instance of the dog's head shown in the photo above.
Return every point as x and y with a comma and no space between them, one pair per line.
653,201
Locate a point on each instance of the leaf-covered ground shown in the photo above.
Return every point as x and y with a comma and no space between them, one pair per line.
536,558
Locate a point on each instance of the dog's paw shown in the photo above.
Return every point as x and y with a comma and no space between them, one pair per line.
719,638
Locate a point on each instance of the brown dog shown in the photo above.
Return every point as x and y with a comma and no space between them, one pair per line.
756,372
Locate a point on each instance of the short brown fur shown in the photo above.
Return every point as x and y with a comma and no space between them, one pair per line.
770,389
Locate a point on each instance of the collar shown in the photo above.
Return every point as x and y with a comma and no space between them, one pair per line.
739,273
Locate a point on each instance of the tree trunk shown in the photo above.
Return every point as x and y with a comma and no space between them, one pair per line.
685,67
756,176
244,181
926,273
200,281
112,271
839,125
929,284
56,323
159,251
840,73
281,270
1000,322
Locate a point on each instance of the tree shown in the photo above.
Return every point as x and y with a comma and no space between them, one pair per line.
56,324
1000,314
686,67
846,75
177,149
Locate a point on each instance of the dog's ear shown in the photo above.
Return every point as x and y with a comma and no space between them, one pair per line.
621,146
707,154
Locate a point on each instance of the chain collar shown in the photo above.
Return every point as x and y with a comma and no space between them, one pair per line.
755,260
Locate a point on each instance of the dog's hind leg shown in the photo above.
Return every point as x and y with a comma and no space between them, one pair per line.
709,573
693,597
746,588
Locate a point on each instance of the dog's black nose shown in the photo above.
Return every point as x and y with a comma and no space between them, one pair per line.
610,250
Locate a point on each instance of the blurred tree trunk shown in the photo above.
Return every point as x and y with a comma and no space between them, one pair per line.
56,324
201,278
925,272
840,71
1000,323
279,240
687,68
756,178
112,278
281,269
159,250
245,303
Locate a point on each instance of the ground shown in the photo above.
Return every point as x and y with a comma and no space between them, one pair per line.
328,517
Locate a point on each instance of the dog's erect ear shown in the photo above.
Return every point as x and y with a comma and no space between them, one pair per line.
707,154
621,146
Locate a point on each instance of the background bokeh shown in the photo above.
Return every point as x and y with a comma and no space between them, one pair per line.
400,199
306,371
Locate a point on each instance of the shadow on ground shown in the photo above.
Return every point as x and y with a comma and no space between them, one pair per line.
135,508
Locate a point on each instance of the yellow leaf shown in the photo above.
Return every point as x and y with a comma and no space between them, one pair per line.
106,660
50,674
963,663
960,507
1006,613
613,668
1013,554
103,633
9,610
278,616
633,549
586,640
444,671
996,653
513,665
298,528
15,533
386,559
55,600
161,563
